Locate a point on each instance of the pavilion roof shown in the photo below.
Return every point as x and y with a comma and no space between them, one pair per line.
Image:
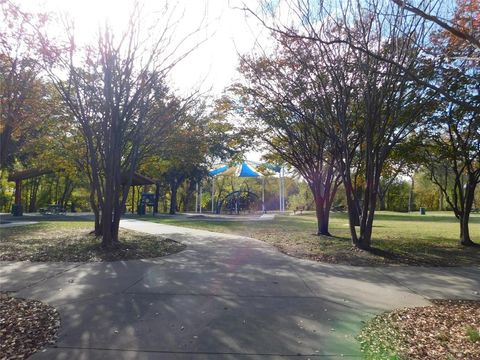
139,179
27,174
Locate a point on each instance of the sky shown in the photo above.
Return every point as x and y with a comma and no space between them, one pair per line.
225,32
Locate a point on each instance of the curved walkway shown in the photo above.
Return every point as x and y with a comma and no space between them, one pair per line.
224,297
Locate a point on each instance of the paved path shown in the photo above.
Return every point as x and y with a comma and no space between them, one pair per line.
224,297
16,223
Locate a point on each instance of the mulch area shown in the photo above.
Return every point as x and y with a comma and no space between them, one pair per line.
448,329
74,242
26,326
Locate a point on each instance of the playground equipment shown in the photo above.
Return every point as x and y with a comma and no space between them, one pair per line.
246,169
237,201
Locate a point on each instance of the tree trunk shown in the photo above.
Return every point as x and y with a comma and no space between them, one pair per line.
107,220
33,195
353,216
190,189
322,216
323,189
173,199
67,191
157,198
410,196
465,232
465,218
96,212
381,198
57,184
440,201
372,176
5,140
98,223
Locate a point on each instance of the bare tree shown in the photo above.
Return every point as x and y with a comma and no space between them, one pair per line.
370,103
309,16
453,140
424,10
277,93
110,88
453,134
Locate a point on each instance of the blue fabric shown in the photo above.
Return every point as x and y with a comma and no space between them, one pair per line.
275,168
217,171
247,171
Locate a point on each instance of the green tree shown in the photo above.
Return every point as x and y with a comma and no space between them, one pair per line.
23,94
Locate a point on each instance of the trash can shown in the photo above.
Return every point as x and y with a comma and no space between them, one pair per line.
423,211
17,210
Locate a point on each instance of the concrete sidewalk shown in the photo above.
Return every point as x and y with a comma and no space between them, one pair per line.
224,297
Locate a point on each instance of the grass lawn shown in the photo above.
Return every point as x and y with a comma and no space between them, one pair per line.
398,238
72,241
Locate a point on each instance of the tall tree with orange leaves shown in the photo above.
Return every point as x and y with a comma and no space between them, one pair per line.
453,135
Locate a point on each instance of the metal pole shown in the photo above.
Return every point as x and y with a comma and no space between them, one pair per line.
263,194
213,194
200,203
196,197
283,190
281,180
280,190
133,199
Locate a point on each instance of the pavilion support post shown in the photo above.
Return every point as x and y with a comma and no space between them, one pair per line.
213,195
263,194
196,197
280,190
133,198
17,209
157,198
18,192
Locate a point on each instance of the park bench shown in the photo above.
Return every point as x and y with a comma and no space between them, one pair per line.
299,208
52,210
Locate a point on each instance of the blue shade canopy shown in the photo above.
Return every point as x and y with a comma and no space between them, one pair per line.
245,169
218,170
248,171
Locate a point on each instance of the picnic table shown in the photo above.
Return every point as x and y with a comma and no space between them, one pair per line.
53,209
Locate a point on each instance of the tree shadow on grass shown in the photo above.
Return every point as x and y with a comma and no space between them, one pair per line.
50,242
422,218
